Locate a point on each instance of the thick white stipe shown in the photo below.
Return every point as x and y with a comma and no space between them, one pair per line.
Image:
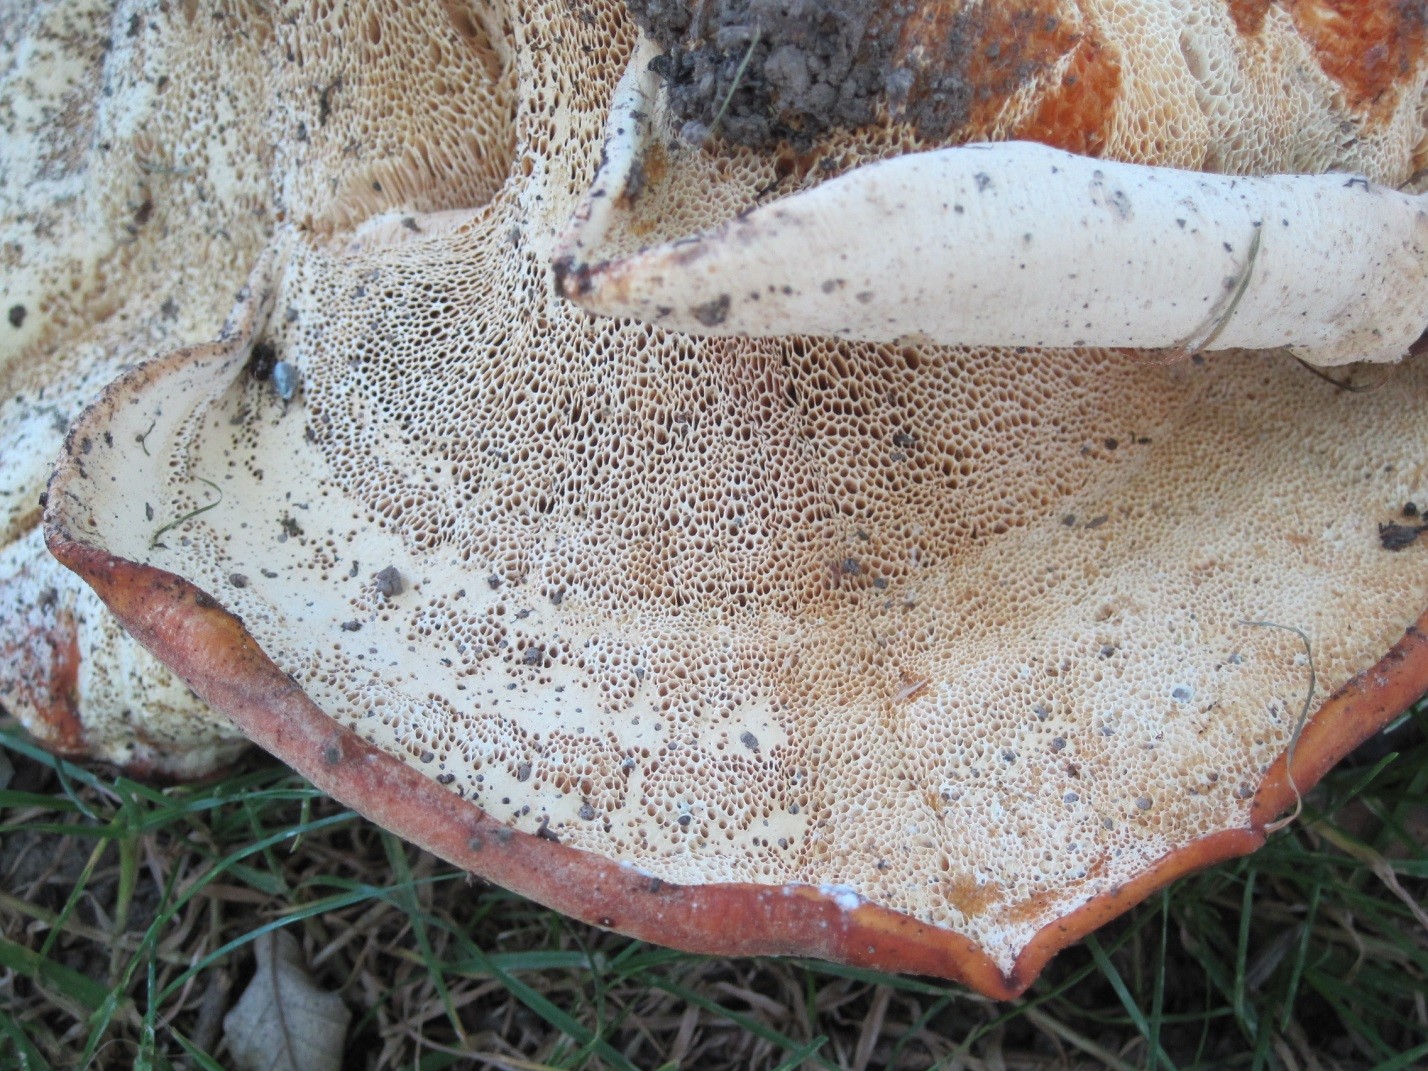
1017,244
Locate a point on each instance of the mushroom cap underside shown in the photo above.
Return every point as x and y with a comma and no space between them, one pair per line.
929,659
978,637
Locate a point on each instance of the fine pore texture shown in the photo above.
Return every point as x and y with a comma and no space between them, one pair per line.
139,181
912,656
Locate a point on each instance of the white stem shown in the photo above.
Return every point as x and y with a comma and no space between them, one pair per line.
621,173
1017,244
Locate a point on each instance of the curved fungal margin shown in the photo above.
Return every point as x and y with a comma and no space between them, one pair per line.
210,649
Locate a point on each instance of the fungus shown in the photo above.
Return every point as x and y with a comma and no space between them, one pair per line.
918,657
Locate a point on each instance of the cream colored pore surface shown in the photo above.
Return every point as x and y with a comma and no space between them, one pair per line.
965,631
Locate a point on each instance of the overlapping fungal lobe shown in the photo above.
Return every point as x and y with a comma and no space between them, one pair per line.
147,153
907,655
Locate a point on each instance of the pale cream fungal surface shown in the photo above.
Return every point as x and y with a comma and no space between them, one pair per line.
965,633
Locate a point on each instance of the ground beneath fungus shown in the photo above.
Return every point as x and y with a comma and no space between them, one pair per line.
650,1006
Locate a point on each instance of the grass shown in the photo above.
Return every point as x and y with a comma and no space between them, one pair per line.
126,915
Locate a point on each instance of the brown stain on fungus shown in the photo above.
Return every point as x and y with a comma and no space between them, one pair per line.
972,897
1367,46
44,675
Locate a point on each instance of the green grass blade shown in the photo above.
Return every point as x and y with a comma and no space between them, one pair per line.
1103,962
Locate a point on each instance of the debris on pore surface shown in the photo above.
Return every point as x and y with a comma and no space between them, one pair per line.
1399,536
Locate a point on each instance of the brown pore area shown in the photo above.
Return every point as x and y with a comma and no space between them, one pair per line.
1248,15
1367,46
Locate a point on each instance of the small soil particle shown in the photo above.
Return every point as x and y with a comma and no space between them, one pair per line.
1399,536
262,359
388,582
713,313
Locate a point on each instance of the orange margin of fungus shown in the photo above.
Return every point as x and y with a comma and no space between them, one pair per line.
209,648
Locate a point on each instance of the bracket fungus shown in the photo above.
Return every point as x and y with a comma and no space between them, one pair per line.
922,657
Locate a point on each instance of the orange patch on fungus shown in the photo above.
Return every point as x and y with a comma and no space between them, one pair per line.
972,897
1076,115
1367,46
43,668
968,60
1248,15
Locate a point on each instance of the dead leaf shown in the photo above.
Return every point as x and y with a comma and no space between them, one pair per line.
283,1021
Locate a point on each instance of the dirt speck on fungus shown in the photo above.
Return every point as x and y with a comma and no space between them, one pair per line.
759,72
388,582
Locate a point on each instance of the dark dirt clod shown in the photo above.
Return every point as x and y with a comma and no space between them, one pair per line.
260,364
768,71
760,72
389,582
1399,536
17,315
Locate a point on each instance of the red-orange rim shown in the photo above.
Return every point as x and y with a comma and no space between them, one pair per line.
209,648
